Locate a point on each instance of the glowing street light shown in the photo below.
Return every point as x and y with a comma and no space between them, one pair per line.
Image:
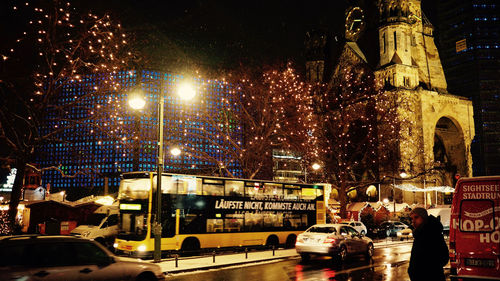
175,151
186,92
316,166
136,102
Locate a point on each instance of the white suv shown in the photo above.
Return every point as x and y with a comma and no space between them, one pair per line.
359,226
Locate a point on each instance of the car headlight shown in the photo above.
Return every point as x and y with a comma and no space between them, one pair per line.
141,248
115,245
399,234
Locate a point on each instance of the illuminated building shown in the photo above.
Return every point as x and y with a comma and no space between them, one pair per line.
396,40
470,51
111,138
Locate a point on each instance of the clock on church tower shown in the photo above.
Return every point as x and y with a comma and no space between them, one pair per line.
354,23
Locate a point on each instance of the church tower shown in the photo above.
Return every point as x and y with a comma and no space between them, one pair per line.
408,54
436,127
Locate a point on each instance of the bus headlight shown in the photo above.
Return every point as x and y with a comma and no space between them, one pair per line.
141,248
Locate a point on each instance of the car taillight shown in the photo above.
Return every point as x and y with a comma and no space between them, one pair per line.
453,256
329,240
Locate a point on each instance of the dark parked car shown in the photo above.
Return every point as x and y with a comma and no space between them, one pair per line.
389,229
35,257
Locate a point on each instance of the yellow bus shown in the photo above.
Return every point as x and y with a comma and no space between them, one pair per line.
203,212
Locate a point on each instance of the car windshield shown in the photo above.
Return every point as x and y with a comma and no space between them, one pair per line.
94,219
322,229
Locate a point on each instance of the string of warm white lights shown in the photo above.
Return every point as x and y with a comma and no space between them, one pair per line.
413,188
270,110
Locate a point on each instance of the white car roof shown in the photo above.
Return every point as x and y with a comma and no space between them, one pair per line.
329,225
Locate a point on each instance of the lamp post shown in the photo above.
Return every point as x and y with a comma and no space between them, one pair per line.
403,175
185,92
315,167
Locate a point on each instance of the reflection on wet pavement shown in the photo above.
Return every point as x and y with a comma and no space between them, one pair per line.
390,263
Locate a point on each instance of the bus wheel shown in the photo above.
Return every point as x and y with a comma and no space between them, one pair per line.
272,240
190,247
290,241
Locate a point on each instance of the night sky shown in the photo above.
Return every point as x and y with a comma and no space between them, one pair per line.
184,35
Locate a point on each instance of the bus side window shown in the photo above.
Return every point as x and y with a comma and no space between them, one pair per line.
273,221
213,189
253,222
234,188
214,225
233,223
273,190
291,194
193,223
168,226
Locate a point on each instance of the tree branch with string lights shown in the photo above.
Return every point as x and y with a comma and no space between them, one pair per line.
358,130
56,46
263,110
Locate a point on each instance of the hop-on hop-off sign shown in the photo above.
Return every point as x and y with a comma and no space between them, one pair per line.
475,228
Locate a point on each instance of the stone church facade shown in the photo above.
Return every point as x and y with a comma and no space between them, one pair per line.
434,146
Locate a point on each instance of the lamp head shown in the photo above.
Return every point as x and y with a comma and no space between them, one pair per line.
175,151
136,100
186,91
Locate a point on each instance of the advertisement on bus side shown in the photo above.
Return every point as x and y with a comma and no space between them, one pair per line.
475,229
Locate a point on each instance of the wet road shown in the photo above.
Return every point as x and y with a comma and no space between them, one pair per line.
389,263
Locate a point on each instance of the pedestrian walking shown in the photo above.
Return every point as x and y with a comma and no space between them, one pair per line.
429,253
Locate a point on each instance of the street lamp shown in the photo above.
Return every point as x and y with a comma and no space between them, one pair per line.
403,176
315,167
186,92
175,151
136,102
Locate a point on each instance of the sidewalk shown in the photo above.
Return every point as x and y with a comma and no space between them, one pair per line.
207,262
224,260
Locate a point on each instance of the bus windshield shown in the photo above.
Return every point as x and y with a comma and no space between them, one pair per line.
131,189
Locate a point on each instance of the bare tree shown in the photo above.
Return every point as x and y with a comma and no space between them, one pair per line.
262,111
358,130
59,45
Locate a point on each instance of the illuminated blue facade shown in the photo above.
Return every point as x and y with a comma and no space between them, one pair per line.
124,140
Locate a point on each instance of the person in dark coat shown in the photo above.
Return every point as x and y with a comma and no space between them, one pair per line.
429,253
